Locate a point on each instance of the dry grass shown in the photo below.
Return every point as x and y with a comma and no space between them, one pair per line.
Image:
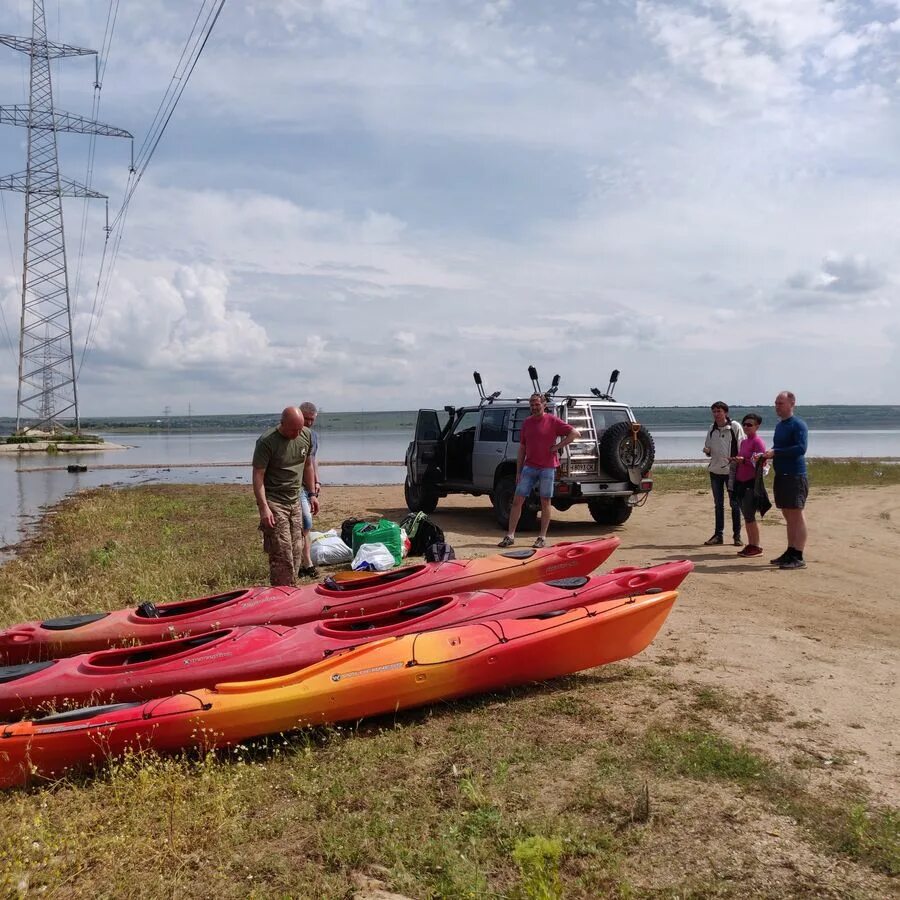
823,473
586,787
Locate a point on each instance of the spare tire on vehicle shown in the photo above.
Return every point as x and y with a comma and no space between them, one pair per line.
619,451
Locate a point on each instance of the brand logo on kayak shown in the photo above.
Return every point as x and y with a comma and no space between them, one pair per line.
203,659
338,676
248,603
558,566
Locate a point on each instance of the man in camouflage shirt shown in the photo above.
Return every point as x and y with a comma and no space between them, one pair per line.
282,462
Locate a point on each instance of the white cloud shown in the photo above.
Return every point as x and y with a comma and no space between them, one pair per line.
375,198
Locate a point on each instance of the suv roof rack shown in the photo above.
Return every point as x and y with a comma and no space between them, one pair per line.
484,398
613,378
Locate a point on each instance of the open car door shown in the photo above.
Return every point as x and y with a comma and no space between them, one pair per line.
426,446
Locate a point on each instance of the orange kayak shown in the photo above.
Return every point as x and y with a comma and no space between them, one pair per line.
356,596
381,677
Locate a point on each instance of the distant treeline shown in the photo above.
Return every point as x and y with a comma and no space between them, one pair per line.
690,417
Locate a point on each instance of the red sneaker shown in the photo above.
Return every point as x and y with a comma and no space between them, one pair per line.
750,550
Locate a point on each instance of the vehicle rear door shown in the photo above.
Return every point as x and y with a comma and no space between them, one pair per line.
490,446
460,444
426,450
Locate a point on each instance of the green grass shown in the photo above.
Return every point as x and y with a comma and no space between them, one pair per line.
558,790
702,754
822,473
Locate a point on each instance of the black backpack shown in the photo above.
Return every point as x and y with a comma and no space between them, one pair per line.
439,552
422,533
347,530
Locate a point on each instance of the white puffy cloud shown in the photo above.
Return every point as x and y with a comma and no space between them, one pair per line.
372,199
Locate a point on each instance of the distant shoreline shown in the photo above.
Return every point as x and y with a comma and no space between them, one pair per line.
824,416
662,464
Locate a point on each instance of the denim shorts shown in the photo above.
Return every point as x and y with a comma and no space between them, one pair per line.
305,509
532,475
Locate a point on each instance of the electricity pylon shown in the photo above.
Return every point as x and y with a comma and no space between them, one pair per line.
47,390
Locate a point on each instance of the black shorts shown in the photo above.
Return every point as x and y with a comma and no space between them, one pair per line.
791,491
743,496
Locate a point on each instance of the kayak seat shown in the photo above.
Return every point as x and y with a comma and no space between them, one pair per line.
568,584
147,610
65,623
11,673
422,609
518,554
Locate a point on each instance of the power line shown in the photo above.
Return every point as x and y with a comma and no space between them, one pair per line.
101,62
184,68
6,331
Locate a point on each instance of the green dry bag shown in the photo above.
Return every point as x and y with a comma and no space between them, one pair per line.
382,532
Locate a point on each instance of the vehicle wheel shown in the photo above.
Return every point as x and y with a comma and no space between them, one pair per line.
502,498
619,453
615,511
418,498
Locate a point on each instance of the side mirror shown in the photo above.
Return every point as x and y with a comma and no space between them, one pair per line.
477,377
555,383
614,376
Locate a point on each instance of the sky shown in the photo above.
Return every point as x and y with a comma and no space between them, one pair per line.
359,202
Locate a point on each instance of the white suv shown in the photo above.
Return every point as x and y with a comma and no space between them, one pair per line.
473,450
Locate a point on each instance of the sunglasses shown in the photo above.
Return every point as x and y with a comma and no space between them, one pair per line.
748,424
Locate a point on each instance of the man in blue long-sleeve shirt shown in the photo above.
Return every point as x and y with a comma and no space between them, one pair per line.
791,486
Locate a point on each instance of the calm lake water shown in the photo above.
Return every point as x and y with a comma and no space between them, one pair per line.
24,494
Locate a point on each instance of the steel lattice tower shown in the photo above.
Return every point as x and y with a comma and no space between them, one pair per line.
47,391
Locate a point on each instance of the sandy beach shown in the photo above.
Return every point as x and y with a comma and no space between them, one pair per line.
820,647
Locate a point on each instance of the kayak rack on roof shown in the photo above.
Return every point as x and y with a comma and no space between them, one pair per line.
484,398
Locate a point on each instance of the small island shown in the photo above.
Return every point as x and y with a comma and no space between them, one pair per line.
34,441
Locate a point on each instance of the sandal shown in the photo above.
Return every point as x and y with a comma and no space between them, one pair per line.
539,543
308,572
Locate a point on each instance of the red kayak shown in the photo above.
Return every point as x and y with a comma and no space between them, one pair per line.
354,596
383,676
255,652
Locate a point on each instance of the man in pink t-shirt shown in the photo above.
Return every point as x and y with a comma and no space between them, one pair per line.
537,463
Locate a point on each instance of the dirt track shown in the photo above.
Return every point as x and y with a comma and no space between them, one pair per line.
818,648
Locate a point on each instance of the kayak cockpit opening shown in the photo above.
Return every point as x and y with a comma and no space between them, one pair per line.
390,619
367,581
133,656
150,610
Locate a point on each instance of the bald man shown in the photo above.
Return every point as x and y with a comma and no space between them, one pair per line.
282,464
788,454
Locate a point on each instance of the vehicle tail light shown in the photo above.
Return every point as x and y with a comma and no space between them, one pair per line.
646,484
562,488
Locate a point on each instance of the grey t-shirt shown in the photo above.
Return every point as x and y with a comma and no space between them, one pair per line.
723,443
284,461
